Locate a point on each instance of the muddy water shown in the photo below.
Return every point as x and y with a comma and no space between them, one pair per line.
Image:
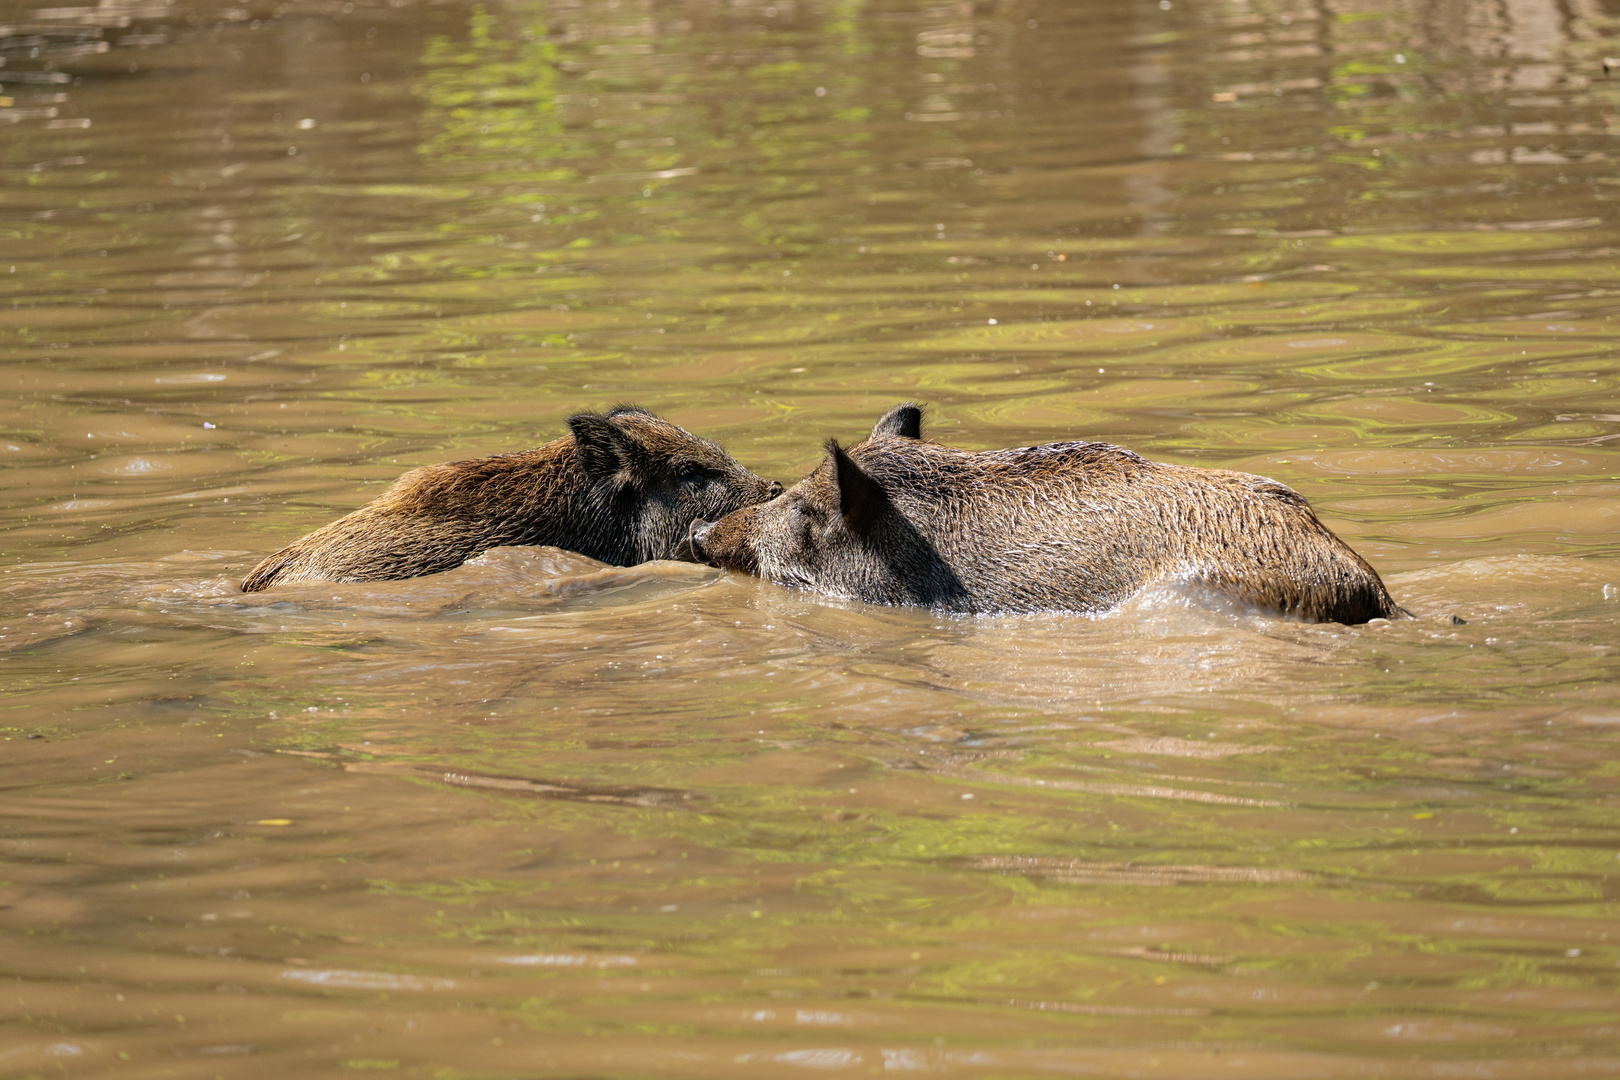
539,817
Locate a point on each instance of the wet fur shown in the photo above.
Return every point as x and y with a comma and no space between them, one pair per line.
621,487
1067,526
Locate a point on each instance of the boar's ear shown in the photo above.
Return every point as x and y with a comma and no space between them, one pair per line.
860,499
604,449
904,421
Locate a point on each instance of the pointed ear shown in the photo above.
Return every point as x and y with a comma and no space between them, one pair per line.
603,448
903,421
860,499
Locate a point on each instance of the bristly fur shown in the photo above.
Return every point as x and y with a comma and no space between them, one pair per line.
622,487
1067,526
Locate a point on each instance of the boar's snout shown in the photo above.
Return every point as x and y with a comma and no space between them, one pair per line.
723,543
694,539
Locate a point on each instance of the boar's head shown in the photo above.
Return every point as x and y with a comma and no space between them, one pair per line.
651,479
838,531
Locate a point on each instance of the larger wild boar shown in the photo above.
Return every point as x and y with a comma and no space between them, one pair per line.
1067,527
622,487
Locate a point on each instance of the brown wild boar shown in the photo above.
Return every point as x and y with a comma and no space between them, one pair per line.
622,487
1063,527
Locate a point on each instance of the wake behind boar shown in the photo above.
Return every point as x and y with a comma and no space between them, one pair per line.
1068,526
622,487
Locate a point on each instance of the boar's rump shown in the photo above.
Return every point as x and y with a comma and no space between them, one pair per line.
622,487
1063,527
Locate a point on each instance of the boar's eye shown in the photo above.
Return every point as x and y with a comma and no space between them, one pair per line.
691,470
803,521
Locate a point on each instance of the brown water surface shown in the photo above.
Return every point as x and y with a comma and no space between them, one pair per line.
540,818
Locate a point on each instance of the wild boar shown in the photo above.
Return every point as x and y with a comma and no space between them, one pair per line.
1072,526
622,487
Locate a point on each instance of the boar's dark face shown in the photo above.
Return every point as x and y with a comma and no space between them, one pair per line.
835,532
654,479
